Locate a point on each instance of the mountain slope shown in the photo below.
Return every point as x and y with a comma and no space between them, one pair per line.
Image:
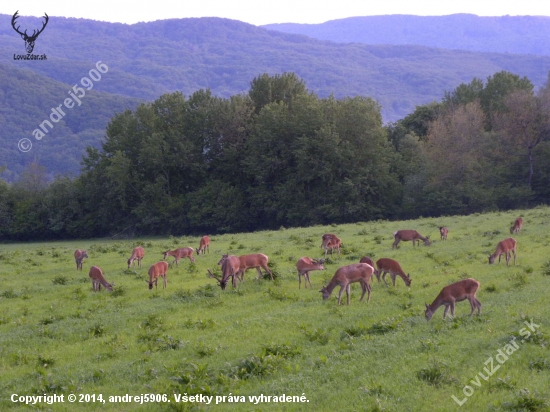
507,34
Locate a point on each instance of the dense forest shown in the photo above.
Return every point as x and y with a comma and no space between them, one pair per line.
280,155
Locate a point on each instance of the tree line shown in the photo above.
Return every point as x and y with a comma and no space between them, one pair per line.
282,156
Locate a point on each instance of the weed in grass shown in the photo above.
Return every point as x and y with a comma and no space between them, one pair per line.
529,270
254,366
318,335
60,280
526,401
9,294
285,350
429,345
4,320
546,268
354,331
491,288
97,330
384,326
378,239
279,295
19,358
519,279
45,362
203,350
166,342
118,291
503,384
152,322
540,364
435,374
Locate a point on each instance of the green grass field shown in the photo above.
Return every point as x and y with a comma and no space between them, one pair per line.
268,337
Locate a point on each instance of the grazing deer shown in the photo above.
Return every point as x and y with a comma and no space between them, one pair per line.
185,252
325,238
507,247
137,254
344,276
79,256
97,280
444,232
204,245
159,269
304,266
392,267
456,292
406,235
230,268
368,261
332,243
516,228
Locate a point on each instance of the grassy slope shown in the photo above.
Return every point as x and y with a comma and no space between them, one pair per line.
194,338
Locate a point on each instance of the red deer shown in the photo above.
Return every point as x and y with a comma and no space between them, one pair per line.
204,245
516,228
156,271
357,272
367,260
332,243
507,247
230,269
392,267
137,254
406,235
185,252
79,256
257,261
97,280
444,232
325,238
304,266
456,292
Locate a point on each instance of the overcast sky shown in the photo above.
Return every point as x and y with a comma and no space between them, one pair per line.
259,12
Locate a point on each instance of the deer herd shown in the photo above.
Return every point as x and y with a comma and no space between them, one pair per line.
234,267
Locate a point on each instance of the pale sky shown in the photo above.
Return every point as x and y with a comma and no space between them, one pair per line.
260,12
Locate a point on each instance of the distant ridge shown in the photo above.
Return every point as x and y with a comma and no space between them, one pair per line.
506,34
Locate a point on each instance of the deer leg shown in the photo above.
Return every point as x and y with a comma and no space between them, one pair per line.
165,281
478,306
340,294
514,252
299,280
369,289
384,277
268,271
259,273
445,311
348,291
308,281
392,278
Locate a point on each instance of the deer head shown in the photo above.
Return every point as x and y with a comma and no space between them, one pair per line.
29,40
221,282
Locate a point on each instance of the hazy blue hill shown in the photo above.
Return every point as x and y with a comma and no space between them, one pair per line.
507,34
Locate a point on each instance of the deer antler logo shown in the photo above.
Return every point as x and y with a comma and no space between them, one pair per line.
29,40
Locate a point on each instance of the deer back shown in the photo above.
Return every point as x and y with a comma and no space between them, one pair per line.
96,274
252,261
306,264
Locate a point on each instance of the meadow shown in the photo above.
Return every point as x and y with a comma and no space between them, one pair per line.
268,337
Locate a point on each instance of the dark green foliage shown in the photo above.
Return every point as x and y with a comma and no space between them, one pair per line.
435,374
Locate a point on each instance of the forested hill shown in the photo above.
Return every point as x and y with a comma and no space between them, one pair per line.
146,60
27,99
506,34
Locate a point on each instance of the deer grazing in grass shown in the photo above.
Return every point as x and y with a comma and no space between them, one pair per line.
256,260
79,256
506,247
456,292
406,235
230,269
516,228
185,252
392,267
367,260
158,270
204,245
304,266
344,276
97,280
331,242
137,254
443,231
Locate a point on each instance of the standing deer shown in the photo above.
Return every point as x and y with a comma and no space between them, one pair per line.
79,256
159,269
304,266
507,247
230,268
137,254
185,252
204,245
444,232
367,260
97,280
406,235
325,238
332,243
516,228
256,260
456,292
344,276
392,267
